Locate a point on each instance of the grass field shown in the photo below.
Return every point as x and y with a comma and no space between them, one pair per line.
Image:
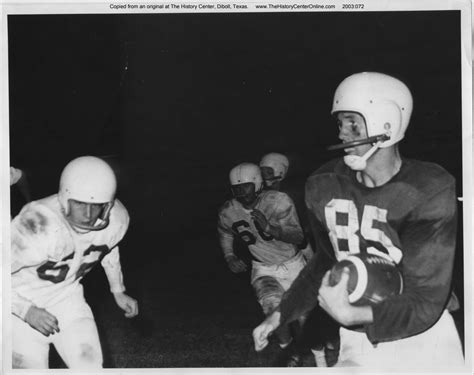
197,317
193,313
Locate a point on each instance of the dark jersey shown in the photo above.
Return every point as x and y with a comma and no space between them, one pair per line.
411,218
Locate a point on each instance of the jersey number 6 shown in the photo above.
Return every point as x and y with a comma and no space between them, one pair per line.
246,236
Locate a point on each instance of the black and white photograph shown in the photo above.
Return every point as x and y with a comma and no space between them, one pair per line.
249,185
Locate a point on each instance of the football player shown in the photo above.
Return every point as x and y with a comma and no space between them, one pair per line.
266,221
376,201
55,241
274,167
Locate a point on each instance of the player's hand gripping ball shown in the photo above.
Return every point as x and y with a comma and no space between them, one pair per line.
372,278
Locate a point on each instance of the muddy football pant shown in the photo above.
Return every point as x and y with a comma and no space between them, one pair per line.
77,342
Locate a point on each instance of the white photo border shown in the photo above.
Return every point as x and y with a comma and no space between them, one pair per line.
128,7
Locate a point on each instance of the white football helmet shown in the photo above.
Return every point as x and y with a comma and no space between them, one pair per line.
246,183
244,173
88,179
384,101
278,162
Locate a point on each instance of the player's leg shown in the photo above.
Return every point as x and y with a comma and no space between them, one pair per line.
30,348
285,275
311,337
78,342
317,335
321,334
79,346
437,348
287,272
299,350
269,293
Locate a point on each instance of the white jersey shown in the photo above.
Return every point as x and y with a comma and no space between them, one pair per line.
49,258
235,220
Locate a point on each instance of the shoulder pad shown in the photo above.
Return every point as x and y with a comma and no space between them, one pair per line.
276,201
226,206
37,229
119,214
275,196
119,222
332,166
225,211
37,218
429,174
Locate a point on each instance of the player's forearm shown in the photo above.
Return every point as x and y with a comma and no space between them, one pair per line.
115,278
20,305
226,243
357,315
417,308
289,234
402,317
113,271
413,311
297,301
422,302
302,296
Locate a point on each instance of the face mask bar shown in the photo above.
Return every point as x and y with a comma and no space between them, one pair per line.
242,190
374,139
101,223
268,174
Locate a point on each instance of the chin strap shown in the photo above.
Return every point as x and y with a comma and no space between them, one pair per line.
359,163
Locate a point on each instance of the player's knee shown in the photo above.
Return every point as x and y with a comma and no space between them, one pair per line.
89,357
19,361
270,303
269,293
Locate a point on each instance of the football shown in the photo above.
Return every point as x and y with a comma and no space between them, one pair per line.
372,278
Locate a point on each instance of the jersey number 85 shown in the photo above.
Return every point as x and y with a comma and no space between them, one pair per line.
352,231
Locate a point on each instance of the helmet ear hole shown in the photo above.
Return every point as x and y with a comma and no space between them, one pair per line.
386,119
380,99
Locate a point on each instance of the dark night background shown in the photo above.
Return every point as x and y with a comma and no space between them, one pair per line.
173,102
